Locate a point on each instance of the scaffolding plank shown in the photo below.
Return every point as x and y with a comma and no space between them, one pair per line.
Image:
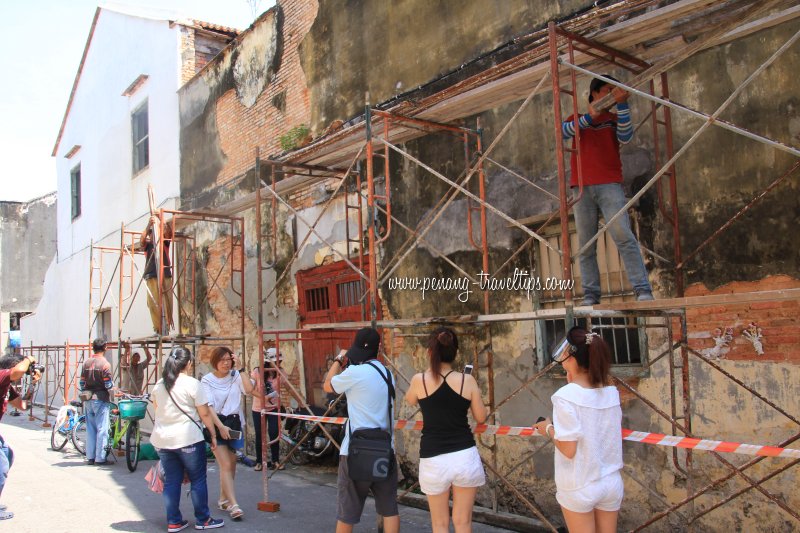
737,298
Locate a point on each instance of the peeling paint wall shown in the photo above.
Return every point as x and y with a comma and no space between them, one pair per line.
245,99
27,245
386,48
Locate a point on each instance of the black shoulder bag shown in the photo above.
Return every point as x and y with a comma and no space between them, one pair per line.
370,454
206,432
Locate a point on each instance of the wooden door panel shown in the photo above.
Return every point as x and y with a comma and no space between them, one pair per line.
328,294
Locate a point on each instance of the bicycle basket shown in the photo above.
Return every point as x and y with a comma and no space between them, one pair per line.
132,409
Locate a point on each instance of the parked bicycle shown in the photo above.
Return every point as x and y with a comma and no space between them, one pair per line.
67,419
123,424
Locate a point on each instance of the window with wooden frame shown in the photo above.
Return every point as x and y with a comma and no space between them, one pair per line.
627,340
75,191
140,130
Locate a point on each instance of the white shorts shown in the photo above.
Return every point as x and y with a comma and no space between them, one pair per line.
604,494
461,469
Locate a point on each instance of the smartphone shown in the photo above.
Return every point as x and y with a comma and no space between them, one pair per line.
235,435
468,369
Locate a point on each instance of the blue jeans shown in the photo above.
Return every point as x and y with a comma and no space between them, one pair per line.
192,460
6,460
96,429
607,199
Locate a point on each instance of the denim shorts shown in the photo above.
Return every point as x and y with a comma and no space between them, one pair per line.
604,494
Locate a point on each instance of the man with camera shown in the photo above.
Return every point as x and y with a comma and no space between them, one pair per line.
369,388
12,368
96,383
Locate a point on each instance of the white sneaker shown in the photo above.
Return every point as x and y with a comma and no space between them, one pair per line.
5,515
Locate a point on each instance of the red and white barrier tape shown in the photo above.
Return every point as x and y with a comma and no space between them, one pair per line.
659,439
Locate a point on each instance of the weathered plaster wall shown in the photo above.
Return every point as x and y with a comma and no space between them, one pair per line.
246,98
387,48
363,48
28,233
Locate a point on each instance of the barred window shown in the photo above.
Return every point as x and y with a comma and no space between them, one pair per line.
317,299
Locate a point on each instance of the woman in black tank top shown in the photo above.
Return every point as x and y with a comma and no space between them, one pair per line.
449,458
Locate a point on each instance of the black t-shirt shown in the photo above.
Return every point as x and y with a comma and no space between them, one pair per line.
151,266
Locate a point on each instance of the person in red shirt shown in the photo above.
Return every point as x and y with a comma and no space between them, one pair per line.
12,368
601,134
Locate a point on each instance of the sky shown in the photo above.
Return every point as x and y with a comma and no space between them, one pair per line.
44,41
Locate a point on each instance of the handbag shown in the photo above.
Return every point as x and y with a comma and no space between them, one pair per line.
370,453
231,421
206,432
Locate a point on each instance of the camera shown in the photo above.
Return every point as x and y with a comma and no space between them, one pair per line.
33,367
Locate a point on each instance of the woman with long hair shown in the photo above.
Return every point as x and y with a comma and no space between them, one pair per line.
179,400
585,430
449,459
224,388
269,403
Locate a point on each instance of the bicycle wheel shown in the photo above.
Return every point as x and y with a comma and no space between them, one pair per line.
79,435
132,437
60,435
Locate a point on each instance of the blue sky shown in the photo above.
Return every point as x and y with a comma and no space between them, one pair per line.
44,40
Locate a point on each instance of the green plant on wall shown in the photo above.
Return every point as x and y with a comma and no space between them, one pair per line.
295,137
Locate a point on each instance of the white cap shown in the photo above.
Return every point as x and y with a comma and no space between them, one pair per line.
271,355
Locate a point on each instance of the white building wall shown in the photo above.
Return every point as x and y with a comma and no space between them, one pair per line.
122,48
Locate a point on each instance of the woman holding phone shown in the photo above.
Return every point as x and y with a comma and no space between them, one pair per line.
586,425
449,459
224,388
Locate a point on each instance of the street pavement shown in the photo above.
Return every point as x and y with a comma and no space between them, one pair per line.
55,491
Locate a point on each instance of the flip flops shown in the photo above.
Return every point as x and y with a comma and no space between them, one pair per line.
258,467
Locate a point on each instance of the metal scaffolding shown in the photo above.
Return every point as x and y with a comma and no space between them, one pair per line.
670,316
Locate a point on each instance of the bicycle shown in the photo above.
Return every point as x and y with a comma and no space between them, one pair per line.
123,423
66,421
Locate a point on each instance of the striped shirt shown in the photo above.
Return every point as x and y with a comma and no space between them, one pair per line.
599,143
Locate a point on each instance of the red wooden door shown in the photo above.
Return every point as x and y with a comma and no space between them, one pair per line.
329,293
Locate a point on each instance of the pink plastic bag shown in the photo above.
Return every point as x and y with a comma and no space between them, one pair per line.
155,478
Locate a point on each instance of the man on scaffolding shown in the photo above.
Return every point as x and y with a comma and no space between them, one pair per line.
601,134
151,275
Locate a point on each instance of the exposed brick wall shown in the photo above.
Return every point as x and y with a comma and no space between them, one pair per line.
242,129
188,65
779,321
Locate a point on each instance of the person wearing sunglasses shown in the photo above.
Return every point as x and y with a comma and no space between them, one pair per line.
585,429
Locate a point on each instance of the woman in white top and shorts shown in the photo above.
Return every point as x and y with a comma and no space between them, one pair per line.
587,432
448,455
224,389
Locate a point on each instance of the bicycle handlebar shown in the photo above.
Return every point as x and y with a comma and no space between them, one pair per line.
127,396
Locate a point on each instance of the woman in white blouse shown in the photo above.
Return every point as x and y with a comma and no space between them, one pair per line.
224,388
586,430
179,401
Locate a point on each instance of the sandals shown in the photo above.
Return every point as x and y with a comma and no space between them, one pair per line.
236,512
258,467
224,505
